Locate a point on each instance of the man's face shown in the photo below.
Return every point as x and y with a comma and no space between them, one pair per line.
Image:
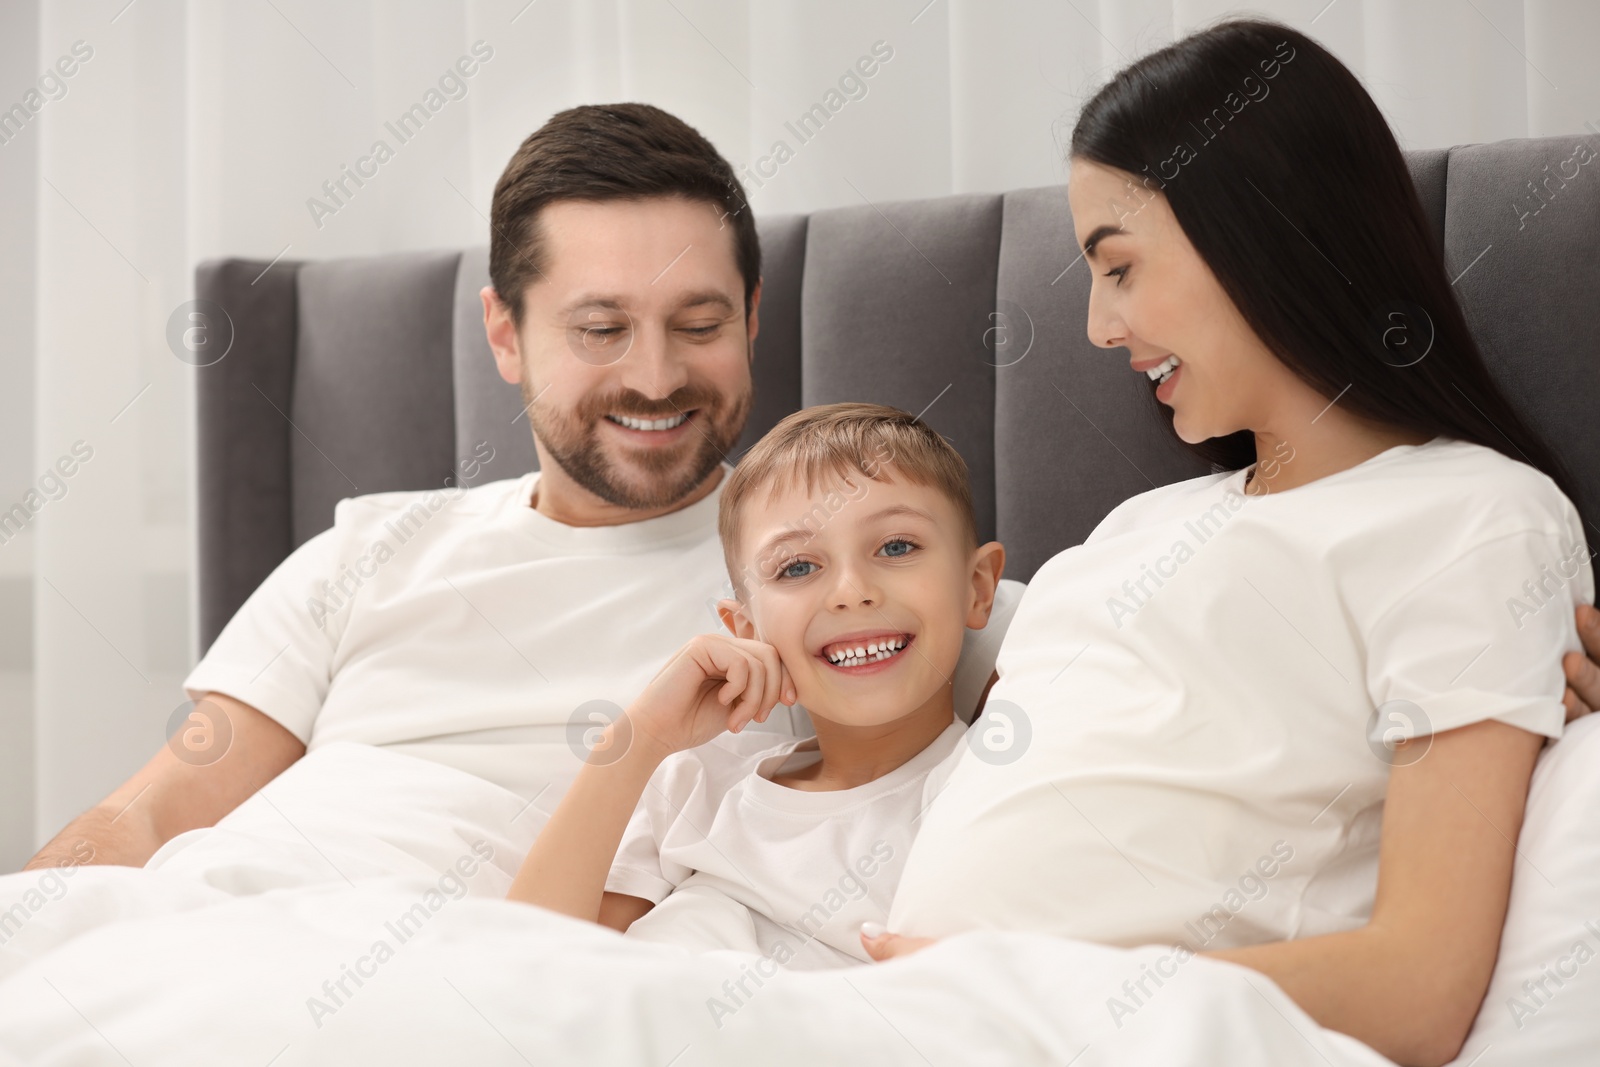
633,353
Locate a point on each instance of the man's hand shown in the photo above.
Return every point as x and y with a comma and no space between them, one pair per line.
714,683
1583,671
173,793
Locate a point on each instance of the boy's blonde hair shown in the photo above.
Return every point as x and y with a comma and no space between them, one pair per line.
841,440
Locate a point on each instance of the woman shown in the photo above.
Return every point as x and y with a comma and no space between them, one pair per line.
1231,684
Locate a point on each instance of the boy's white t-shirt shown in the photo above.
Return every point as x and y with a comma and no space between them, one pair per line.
733,860
1192,705
465,627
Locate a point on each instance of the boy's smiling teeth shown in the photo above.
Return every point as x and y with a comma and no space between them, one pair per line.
649,424
856,653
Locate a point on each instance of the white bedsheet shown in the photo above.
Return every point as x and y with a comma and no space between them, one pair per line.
231,946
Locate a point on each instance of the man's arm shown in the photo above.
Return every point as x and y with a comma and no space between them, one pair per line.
168,795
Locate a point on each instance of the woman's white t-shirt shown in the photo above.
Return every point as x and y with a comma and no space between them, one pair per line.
1187,740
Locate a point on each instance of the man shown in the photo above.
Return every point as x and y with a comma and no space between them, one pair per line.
626,286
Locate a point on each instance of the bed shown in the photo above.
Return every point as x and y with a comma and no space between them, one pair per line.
353,911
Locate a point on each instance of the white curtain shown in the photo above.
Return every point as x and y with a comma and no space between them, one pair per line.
189,130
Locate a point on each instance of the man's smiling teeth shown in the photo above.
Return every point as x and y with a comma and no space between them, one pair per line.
648,424
868,652
1163,370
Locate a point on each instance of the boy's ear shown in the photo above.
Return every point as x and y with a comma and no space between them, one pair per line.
988,562
734,618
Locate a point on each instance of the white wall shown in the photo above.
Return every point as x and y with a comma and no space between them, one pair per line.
200,129
19,31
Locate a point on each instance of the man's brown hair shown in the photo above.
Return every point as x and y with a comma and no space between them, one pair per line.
842,440
601,152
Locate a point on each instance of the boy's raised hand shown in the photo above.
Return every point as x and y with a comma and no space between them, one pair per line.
716,682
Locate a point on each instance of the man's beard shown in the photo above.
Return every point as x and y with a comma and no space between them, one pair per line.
670,474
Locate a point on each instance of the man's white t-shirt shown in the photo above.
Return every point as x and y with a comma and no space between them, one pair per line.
1196,699
465,627
733,860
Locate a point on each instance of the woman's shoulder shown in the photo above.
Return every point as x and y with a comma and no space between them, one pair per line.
1445,511
1491,492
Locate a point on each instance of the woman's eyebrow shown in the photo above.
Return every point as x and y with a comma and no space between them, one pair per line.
1099,234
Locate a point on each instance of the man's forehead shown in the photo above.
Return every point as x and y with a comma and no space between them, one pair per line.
657,252
656,226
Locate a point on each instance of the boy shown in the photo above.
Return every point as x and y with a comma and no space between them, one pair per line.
849,534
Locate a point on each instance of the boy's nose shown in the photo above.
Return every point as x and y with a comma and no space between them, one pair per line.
853,590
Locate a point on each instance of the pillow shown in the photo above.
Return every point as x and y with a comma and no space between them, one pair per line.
980,647
973,668
1543,1004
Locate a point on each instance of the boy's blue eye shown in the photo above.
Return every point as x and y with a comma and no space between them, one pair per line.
898,548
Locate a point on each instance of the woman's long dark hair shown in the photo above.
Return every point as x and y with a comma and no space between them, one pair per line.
1294,192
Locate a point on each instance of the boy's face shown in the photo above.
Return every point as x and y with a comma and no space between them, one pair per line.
861,564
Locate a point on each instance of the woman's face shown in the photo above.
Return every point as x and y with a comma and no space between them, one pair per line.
1153,295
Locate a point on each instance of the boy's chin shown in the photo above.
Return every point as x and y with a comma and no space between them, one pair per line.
834,715
836,712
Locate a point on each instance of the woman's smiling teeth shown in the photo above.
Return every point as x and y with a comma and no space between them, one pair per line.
1163,370
855,654
649,424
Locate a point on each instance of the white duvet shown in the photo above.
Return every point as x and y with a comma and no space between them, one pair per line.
352,913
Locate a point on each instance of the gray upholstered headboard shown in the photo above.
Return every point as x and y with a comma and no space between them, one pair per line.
366,375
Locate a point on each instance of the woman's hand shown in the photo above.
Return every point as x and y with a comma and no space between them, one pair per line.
882,945
714,683
1583,671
